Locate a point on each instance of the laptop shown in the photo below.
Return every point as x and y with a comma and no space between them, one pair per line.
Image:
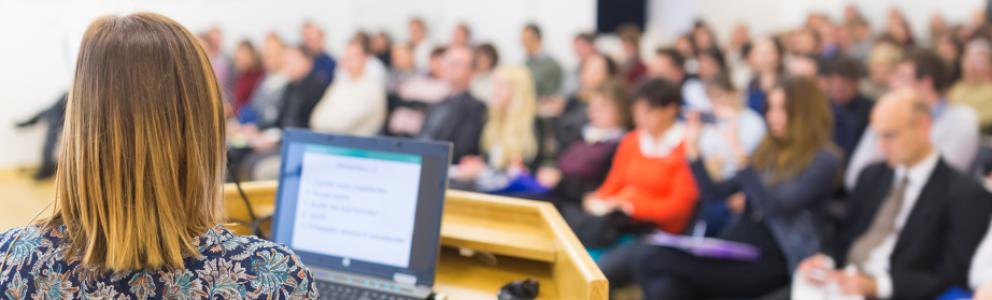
364,214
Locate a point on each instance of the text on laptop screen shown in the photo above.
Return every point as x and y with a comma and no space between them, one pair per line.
363,200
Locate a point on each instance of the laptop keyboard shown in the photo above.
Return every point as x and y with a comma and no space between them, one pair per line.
336,291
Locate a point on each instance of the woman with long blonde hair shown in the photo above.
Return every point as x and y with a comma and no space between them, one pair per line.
138,189
509,139
508,136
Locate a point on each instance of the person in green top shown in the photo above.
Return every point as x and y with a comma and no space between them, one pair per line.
546,70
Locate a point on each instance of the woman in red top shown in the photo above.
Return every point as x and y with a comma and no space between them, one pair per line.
650,180
650,184
248,64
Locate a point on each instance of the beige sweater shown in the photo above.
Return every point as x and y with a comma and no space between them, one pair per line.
355,106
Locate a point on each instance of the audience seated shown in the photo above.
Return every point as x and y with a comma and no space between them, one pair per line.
729,125
416,94
248,74
258,158
803,65
859,32
737,55
402,69
687,49
582,166
212,41
305,89
710,64
428,87
458,118
670,64
851,108
355,103
374,68
975,87
547,73
420,42
265,100
913,221
257,128
486,60
380,45
804,42
881,64
548,83
509,140
258,121
770,124
649,185
584,46
461,36
631,67
564,118
702,37
766,62
323,64
898,30
790,172
836,41
955,127
950,50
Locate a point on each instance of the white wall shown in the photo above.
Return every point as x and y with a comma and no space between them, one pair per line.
764,16
38,37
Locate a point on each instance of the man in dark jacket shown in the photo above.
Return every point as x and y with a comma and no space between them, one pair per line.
913,222
304,91
458,118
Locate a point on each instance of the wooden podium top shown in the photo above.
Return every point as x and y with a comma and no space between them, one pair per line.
514,239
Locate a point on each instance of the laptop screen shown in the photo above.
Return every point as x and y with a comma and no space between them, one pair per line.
362,205
362,200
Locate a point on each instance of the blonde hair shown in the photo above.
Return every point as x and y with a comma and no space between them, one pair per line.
885,53
141,166
512,127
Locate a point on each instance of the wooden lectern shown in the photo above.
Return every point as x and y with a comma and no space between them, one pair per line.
512,239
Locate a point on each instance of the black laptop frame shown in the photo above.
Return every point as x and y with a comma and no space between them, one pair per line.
425,247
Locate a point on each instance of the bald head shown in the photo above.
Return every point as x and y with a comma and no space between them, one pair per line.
900,105
901,120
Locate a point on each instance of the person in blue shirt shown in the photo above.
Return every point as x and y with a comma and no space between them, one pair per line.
323,64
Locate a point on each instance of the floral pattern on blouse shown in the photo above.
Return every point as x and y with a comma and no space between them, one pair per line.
229,267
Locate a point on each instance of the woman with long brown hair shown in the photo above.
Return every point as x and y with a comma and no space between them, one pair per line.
792,170
139,183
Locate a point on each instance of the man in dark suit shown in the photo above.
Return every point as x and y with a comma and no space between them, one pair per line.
458,118
913,221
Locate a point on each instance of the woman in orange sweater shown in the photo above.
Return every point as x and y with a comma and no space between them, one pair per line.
650,184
